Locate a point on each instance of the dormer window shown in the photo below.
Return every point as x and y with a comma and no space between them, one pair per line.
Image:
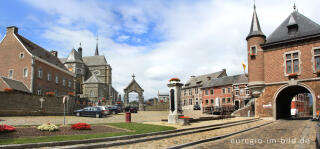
253,50
21,55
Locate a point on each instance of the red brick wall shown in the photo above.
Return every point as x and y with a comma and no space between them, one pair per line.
255,63
274,62
217,93
10,49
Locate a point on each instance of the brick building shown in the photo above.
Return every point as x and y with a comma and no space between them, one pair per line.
241,91
190,91
301,103
37,69
283,65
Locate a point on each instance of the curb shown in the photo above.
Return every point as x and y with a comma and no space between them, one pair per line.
96,140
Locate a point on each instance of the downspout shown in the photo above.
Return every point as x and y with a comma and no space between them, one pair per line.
32,74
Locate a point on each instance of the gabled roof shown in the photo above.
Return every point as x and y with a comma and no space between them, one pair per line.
74,57
241,79
306,27
222,81
93,80
95,60
133,82
16,85
40,52
198,81
255,29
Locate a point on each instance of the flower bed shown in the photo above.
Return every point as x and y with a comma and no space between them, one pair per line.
48,127
7,128
81,126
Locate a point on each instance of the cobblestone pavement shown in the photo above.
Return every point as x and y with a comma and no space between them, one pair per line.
141,116
164,143
282,134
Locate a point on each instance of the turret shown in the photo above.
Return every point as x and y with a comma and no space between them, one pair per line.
255,54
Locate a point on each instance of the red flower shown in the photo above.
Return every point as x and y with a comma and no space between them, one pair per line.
50,93
174,79
184,117
292,75
71,93
9,90
7,128
81,126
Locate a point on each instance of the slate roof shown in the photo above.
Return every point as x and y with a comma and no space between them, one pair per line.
40,52
255,29
198,81
241,79
74,57
94,60
222,81
306,27
93,79
16,85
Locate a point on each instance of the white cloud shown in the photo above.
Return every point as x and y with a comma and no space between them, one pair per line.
197,37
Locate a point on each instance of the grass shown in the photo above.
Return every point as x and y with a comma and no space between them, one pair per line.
135,128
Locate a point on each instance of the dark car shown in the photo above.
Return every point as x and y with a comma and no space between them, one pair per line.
196,107
131,109
113,109
97,111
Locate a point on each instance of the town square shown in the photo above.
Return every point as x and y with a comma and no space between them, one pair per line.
159,74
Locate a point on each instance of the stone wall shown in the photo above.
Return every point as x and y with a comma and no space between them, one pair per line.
244,112
158,107
22,104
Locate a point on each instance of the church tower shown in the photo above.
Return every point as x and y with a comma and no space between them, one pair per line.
255,55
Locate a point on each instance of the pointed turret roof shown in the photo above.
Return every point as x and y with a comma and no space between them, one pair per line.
305,27
255,29
74,57
93,79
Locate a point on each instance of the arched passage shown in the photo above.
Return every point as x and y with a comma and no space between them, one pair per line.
284,96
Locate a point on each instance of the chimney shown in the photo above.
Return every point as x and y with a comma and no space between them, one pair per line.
12,29
80,50
54,53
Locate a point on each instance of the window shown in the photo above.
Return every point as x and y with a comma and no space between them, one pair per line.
223,91
241,91
237,92
184,102
25,72
229,90
223,100
78,71
10,74
64,82
207,101
190,101
184,92
190,92
39,92
247,91
69,84
21,55
49,76
212,102
57,79
207,92
91,93
292,63
236,86
253,50
229,100
196,90
211,91
40,73
197,99
317,59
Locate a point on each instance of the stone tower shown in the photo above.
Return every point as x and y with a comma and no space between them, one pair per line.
255,56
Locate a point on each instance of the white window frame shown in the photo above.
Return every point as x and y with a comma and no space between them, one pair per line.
39,92
251,53
23,72
63,81
69,84
10,75
57,79
285,62
313,59
40,73
49,76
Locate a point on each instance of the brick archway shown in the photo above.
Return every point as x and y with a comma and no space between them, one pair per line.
285,94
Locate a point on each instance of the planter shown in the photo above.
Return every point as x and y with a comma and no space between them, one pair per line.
50,94
292,75
71,93
252,55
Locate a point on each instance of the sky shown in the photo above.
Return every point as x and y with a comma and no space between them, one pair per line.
154,39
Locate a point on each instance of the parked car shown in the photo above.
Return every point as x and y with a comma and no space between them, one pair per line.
196,107
119,108
113,109
131,109
97,111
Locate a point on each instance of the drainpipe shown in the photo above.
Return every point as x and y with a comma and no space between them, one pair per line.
32,74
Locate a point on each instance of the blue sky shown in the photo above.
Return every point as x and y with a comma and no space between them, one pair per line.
157,39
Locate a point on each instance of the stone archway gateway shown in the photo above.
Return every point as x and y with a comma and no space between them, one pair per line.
134,87
283,97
